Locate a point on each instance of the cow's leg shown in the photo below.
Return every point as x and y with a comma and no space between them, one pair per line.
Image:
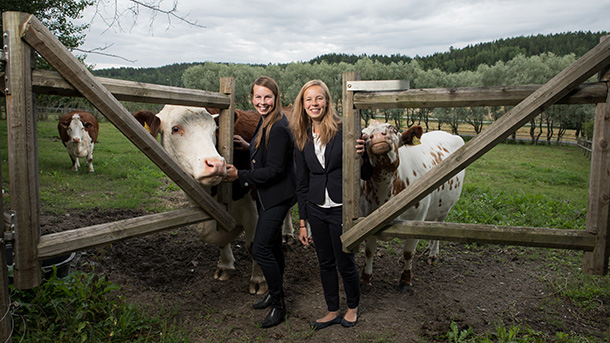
258,284
90,159
226,264
209,233
370,247
76,163
244,211
432,251
288,230
406,279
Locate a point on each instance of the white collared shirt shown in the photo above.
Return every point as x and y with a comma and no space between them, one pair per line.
320,150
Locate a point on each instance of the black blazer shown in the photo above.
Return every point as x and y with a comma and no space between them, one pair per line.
312,179
272,166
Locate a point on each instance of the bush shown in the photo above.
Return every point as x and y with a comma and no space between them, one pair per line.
83,308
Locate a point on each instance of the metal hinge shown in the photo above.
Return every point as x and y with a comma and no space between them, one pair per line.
10,219
4,58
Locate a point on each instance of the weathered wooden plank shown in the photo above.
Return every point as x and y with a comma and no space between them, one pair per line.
225,135
22,154
558,87
378,85
41,39
598,211
492,234
60,243
589,93
351,180
50,82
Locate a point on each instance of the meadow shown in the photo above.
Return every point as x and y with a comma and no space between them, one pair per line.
513,184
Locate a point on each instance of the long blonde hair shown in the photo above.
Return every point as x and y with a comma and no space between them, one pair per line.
276,113
301,123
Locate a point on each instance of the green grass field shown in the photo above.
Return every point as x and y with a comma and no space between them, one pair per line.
124,177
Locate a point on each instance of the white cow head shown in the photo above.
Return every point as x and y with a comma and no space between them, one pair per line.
189,135
382,141
76,130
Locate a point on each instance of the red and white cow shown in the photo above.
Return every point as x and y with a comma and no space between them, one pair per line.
189,135
78,131
398,160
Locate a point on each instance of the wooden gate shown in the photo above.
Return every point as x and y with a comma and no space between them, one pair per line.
566,87
23,33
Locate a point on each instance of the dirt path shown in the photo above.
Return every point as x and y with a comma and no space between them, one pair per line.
475,286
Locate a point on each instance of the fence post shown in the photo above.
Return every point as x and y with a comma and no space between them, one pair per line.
23,153
225,135
596,262
351,165
5,301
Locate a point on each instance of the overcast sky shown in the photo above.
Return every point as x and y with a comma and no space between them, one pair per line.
284,31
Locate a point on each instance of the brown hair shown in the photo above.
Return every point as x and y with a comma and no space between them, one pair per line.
276,113
301,123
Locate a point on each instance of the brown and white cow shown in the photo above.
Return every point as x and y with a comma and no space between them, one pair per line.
398,160
189,135
78,131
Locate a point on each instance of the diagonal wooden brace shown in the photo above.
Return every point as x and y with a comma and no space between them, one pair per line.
51,49
548,94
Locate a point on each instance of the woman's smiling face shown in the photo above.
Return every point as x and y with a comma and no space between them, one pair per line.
314,102
263,99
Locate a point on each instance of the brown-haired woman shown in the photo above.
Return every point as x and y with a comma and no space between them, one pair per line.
272,173
317,132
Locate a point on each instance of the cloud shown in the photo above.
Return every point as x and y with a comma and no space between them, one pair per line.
264,31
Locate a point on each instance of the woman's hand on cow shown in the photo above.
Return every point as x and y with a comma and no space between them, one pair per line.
240,143
359,146
231,173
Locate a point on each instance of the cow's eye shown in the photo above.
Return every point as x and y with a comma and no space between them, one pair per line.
177,130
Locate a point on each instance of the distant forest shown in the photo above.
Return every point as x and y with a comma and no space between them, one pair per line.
512,61
452,61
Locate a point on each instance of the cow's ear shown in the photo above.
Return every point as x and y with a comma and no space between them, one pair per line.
149,121
412,135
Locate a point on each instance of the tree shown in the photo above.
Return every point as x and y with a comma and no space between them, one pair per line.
57,15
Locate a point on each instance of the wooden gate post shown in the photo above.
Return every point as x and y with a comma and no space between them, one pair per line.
22,153
225,134
5,301
351,165
598,211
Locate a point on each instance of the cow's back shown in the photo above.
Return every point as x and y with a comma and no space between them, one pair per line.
435,147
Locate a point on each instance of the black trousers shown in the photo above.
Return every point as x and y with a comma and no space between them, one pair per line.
326,229
267,248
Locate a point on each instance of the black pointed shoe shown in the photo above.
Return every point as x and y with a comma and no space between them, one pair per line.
349,324
275,317
321,325
263,303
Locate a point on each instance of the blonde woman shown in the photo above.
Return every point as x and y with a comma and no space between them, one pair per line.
317,132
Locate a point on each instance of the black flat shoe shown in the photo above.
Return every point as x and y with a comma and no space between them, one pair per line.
275,317
263,303
347,323
322,325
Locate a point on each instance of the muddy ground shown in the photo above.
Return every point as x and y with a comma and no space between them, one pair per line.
475,286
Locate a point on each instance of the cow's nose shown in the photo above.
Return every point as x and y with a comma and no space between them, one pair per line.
76,140
216,166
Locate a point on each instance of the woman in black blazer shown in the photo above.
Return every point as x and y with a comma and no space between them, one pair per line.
318,154
272,174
